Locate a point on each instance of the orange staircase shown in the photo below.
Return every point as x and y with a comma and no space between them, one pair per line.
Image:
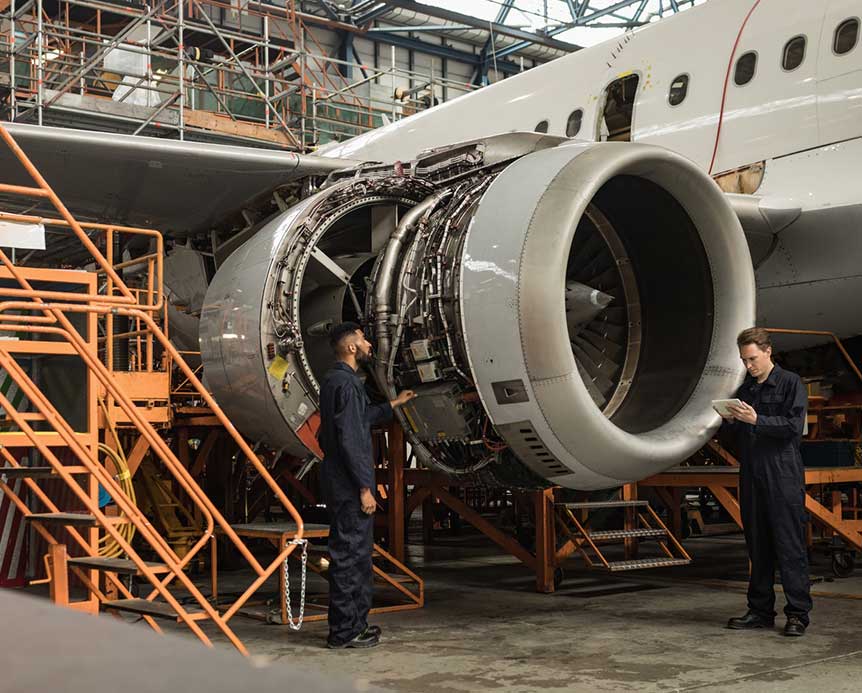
61,443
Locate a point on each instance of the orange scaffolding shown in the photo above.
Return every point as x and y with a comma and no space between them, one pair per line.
48,321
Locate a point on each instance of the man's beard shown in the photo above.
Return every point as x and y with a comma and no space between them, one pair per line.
363,357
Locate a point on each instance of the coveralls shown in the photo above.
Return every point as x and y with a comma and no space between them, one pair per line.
772,492
346,417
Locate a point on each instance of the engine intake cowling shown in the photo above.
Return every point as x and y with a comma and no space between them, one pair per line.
565,311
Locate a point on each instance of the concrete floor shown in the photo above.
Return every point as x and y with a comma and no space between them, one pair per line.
485,629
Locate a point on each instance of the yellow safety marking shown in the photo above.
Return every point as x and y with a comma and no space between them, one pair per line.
409,419
278,368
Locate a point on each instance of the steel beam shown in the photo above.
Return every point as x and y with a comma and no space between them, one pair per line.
401,41
580,21
457,18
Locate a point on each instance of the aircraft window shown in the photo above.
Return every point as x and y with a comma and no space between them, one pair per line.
678,90
846,36
794,53
573,124
745,68
542,127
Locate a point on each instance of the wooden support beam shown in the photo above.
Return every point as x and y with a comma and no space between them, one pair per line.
204,453
728,502
672,500
296,484
507,543
630,493
833,521
395,513
722,453
136,456
546,563
414,500
59,574
428,519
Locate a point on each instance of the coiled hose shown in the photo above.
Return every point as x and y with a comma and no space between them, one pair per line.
108,546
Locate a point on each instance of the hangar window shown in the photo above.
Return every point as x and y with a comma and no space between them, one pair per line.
678,90
846,36
573,124
794,53
542,127
745,67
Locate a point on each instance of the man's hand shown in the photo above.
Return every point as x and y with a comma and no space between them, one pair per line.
402,398
366,499
744,412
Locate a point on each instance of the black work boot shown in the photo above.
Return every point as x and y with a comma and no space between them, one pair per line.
363,640
749,621
794,627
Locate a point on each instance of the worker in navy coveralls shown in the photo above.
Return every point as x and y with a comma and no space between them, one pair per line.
768,429
347,482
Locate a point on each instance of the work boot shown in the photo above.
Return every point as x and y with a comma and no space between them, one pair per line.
794,627
361,641
749,621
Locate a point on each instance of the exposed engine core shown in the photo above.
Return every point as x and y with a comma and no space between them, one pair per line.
565,311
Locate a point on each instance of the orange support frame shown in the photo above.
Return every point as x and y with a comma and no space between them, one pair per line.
52,330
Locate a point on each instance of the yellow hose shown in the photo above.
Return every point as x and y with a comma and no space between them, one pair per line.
108,546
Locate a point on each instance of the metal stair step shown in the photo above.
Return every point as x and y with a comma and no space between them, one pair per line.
596,505
629,534
145,607
641,563
122,566
27,472
64,519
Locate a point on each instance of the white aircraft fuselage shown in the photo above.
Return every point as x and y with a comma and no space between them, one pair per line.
804,124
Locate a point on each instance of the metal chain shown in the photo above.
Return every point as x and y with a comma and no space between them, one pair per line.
290,622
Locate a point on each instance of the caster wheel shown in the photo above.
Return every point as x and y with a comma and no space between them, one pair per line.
843,563
558,578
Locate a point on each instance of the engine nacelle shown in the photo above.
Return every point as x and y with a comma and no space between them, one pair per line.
565,311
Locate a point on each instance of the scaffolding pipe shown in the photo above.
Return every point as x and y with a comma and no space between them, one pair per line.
40,66
13,39
180,23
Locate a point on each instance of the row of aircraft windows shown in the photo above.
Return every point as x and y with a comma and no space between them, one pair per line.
845,39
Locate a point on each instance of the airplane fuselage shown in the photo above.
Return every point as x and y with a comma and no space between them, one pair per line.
799,114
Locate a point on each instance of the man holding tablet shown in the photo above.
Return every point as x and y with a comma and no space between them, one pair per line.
767,423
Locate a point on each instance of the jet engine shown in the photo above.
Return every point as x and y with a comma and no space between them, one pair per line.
565,311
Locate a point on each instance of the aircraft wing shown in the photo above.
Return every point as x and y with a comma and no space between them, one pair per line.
176,187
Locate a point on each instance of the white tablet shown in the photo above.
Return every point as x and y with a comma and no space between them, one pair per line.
722,406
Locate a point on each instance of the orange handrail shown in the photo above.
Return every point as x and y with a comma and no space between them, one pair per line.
821,333
55,307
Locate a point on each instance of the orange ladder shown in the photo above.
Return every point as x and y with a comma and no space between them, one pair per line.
47,321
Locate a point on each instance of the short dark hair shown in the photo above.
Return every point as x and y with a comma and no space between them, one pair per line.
339,332
754,335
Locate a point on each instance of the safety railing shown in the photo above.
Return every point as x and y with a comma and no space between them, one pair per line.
48,313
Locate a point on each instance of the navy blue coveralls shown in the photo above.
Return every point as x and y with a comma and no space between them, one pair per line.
772,492
346,417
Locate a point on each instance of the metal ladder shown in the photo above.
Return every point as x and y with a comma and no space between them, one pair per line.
46,321
641,523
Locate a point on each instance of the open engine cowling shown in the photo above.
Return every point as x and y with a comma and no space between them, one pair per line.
565,311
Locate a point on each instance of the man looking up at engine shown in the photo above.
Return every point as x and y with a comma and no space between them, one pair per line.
768,429
347,483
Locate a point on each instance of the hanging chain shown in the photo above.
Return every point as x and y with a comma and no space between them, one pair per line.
298,624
